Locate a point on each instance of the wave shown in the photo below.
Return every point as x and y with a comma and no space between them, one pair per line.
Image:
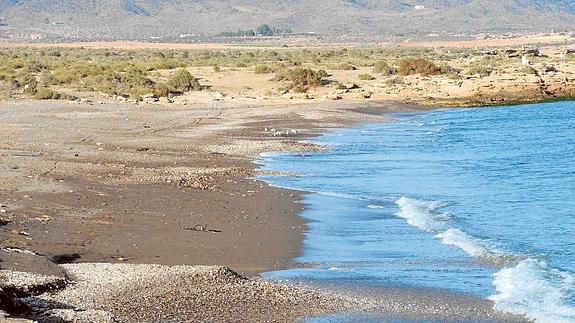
525,287
422,214
473,246
426,215
534,289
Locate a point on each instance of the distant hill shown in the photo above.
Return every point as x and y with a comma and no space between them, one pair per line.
137,19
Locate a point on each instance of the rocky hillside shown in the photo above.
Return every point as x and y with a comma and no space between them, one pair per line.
109,19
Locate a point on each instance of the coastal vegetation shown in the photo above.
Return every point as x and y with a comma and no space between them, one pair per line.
144,73
262,69
183,81
409,66
365,77
301,79
382,67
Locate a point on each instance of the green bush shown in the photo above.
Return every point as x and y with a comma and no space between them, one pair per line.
382,67
528,70
28,83
450,71
163,63
302,79
161,90
482,71
46,94
262,69
183,81
365,77
409,66
344,67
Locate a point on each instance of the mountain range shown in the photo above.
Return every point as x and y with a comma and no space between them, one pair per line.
137,19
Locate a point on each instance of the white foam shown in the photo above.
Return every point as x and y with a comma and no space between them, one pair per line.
473,246
376,207
422,214
535,290
425,215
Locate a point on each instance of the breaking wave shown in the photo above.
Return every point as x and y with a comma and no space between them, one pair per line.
525,286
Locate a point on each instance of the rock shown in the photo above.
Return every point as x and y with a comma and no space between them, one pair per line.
10,303
351,86
333,96
151,100
366,94
217,95
165,100
550,69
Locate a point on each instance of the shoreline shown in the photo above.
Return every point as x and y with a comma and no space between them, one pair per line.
334,115
105,174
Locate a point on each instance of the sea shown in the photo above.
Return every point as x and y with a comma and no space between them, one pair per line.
479,201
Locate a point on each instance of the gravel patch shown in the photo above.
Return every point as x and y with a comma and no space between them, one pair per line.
151,293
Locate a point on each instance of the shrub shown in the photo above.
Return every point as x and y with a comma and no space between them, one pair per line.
134,77
528,70
163,63
570,56
382,67
161,90
5,91
365,77
482,71
28,83
450,71
409,66
302,79
262,69
46,94
63,76
344,67
183,81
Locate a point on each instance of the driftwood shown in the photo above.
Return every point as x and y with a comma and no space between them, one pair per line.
202,228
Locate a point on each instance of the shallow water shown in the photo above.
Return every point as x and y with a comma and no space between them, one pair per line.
479,201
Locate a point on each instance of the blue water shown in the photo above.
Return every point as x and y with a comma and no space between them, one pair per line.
479,201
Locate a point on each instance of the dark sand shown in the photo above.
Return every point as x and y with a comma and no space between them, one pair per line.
125,183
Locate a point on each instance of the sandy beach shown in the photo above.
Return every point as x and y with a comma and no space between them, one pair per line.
155,184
